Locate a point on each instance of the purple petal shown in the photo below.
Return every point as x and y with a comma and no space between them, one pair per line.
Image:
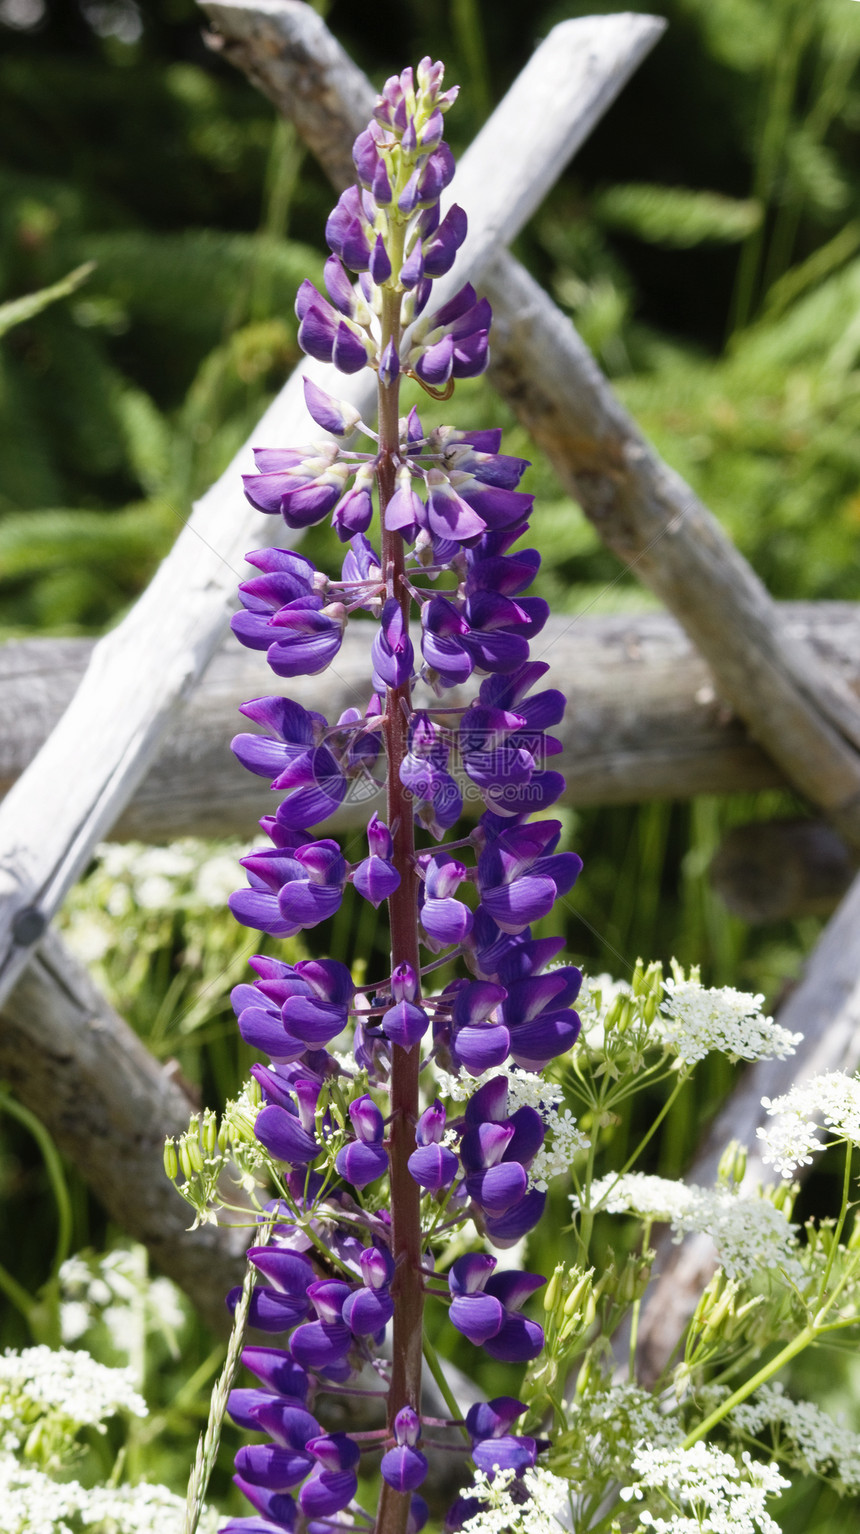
361,1164
517,1342
277,1371
317,1345
273,1467
283,1136
478,1316
403,1468
433,1166
505,1453
497,1188
368,1311
328,1493
481,1049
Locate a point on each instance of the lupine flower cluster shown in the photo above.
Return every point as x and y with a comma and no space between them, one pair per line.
374,1166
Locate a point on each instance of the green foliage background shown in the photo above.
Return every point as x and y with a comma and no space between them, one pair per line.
706,242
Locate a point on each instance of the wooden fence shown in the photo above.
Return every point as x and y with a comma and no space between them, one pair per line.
727,690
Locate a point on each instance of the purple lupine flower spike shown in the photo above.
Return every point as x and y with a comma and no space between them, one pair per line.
341,1262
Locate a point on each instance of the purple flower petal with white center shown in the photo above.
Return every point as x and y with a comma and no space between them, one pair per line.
430,1129
433,1167
478,1316
403,1468
405,511
366,1119
469,1274
353,513
447,514
404,1024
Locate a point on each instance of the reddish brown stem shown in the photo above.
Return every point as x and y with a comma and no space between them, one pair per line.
407,1288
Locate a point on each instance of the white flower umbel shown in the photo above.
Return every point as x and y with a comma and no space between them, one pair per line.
67,1386
32,1503
747,1231
694,1020
809,1439
539,1513
703,1488
790,1140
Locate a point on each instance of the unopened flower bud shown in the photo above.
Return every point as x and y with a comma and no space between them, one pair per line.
171,1160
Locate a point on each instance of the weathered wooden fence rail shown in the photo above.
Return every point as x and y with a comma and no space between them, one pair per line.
644,720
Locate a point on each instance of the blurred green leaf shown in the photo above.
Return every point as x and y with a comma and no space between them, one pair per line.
17,310
676,216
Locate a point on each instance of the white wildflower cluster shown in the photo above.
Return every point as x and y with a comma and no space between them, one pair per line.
808,1437
695,1019
704,1488
606,1423
594,1003
33,1503
68,1389
747,1231
116,1291
545,1500
790,1140
526,1089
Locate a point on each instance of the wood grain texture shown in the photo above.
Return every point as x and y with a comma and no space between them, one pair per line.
142,672
644,719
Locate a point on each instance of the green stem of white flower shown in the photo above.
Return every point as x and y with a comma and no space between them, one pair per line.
840,1223
761,1377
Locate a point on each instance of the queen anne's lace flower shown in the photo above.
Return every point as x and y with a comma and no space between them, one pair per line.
694,1020
809,1438
65,1385
540,1514
705,1489
790,1139
745,1230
